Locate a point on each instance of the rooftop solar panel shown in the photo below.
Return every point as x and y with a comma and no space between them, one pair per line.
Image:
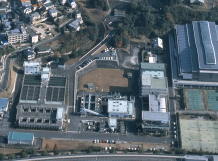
57,81
55,94
209,51
183,48
61,94
32,80
36,93
30,93
49,94
24,92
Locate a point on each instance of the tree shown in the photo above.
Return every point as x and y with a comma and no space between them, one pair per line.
23,154
44,153
102,4
2,156
46,146
11,156
55,149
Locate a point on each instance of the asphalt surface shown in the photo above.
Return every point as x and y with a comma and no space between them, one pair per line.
90,136
109,157
116,159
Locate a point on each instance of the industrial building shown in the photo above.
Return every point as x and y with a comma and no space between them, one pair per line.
42,100
21,138
157,103
153,79
121,107
32,67
156,122
194,54
113,105
154,92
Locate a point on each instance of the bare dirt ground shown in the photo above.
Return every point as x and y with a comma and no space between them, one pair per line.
129,59
50,144
9,151
102,48
104,79
11,80
72,61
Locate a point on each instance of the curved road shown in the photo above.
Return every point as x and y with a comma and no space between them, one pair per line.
109,157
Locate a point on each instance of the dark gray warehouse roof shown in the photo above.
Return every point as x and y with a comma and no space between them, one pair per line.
197,46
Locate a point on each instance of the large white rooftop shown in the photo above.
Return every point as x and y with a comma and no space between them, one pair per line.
120,106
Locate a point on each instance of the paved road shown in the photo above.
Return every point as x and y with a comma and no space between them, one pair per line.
89,136
109,157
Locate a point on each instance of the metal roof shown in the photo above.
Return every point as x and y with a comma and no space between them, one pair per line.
197,46
197,1
156,116
153,66
20,136
3,103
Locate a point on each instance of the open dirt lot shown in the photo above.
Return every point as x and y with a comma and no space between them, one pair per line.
9,151
49,144
104,79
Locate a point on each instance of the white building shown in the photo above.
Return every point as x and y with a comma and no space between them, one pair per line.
152,58
63,2
60,116
72,3
121,108
79,18
153,79
34,38
197,1
53,12
112,123
157,103
45,74
32,67
27,10
30,53
26,6
157,43
48,5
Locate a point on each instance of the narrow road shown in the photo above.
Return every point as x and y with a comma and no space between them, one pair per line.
112,157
